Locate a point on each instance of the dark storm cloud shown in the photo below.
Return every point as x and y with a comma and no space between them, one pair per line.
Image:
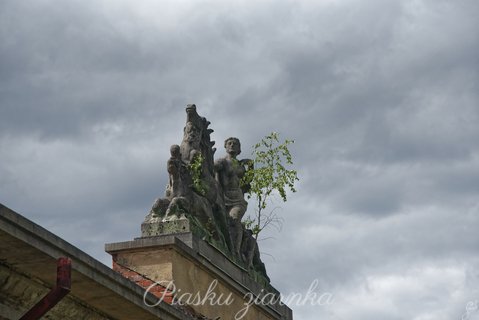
380,96
66,68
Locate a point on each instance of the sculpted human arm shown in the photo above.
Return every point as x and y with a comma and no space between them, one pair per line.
247,165
219,172
219,165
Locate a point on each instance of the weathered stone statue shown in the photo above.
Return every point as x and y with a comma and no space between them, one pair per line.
229,172
206,196
177,190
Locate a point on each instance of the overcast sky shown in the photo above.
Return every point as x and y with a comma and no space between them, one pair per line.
381,96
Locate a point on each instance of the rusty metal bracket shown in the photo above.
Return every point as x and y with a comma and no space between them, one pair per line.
62,288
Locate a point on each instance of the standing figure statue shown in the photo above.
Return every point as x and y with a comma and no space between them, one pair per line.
177,190
175,168
229,172
210,194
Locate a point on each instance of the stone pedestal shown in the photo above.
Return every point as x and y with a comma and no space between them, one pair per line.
213,285
156,227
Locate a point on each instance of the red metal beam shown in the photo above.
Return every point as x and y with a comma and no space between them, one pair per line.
62,288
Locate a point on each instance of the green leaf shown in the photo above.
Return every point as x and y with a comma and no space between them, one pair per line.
270,174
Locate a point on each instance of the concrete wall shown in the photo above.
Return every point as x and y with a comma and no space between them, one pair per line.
18,292
194,269
28,255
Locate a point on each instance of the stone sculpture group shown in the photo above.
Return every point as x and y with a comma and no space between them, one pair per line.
210,194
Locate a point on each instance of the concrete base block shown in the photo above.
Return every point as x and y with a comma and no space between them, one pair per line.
156,227
197,269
